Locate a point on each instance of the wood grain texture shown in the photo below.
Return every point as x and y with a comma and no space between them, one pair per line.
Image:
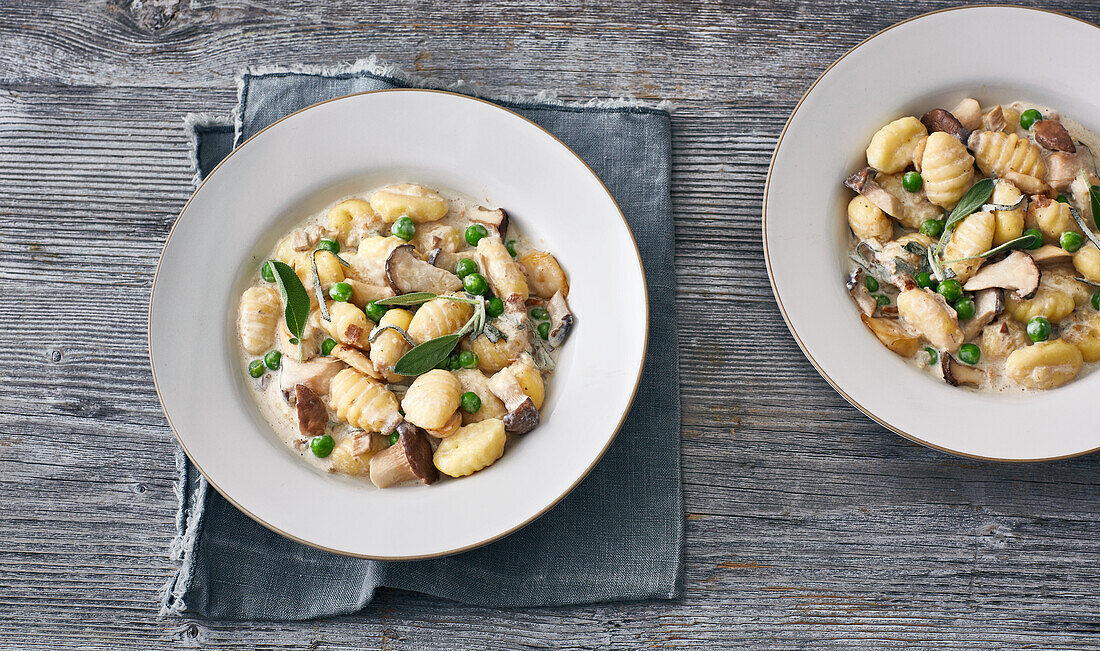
808,525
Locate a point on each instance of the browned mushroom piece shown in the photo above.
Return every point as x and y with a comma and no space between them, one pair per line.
406,272
1048,254
1052,135
410,459
495,219
522,415
312,414
864,183
892,334
988,303
941,120
1017,273
561,319
994,120
1062,169
957,374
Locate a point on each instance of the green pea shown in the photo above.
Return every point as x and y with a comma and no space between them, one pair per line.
256,368
950,289
932,227
871,283
544,330
539,314
465,267
964,307
273,360
475,283
933,355
1038,329
467,359
1096,300
882,300
471,402
912,181
495,307
511,246
322,445
1029,117
1062,199
924,279
1036,239
394,438
403,228
1071,241
453,362
266,272
375,311
474,233
969,354
340,292
329,244
327,345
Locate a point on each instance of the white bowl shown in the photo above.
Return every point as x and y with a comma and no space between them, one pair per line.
993,54
313,157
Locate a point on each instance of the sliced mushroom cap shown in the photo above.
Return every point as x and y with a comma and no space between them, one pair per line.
406,272
356,359
892,334
860,295
522,415
957,374
312,414
994,120
1062,169
1048,254
1017,273
942,120
316,374
561,319
864,183
1052,135
496,219
988,303
410,459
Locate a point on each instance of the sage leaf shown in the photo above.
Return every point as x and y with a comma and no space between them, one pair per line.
1012,244
415,298
1084,228
294,297
1094,199
320,291
426,356
377,330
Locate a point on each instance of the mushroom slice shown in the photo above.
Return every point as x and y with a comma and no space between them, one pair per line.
863,183
316,374
449,428
1062,169
942,120
994,120
496,219
1052,135
892,334
406,272
410,459
302,240
957,374
312,414
1048,254
968,113
988,303
522,416
561,319
356,359
1028,184
1017,272
860,295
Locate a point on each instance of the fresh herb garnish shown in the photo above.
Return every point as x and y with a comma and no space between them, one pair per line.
377,330
1084,228
1007,246
1094,200
426,356
295,300
317,289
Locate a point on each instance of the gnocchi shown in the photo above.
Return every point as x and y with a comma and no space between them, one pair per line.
946,268
326,376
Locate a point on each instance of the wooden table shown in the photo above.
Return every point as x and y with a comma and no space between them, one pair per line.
807,524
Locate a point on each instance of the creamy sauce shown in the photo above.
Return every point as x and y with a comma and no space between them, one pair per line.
268,392
993,366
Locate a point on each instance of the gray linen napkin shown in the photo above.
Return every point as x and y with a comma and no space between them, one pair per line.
618,536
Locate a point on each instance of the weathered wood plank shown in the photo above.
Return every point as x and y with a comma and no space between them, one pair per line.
808,525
